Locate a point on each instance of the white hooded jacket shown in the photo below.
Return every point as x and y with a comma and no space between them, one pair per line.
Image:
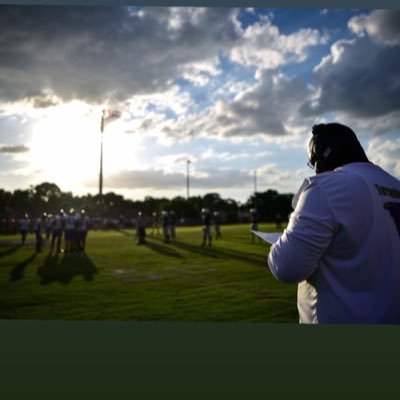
342,247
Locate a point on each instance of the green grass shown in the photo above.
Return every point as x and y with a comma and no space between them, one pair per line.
118,280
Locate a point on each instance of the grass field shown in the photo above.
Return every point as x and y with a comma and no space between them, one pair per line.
118,280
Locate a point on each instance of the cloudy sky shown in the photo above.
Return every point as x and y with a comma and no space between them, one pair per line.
235,91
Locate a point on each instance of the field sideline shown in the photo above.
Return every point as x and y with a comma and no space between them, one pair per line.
118,280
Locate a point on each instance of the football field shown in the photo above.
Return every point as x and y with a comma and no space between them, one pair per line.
118,280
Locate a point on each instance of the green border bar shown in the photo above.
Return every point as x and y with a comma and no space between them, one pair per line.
114,358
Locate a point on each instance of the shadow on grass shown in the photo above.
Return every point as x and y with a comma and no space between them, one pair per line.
164,249
257,259
204,251
64,267
124,232
216,252
132,234
17,273
10,250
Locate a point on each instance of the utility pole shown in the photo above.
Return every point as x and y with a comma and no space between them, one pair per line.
255,189
101,156
187,179
107,115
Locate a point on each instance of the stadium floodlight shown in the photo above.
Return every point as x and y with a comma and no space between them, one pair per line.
187,179
107,116
255,189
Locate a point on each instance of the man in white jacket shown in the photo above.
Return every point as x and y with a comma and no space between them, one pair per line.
342,243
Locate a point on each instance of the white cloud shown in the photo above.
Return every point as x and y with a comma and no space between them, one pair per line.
200,73
227,156
385,153
271,176
266,108
264,47
157,179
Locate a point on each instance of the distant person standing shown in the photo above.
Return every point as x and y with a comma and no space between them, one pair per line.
39,228
70,231
140,229
217,224
254,219
49,227
57,230
172,225
165,226
155,224
24,227
206,218
82,230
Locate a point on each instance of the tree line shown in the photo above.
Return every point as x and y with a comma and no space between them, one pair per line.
48,197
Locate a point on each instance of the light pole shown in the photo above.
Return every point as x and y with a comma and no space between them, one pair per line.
101,155
187,179
255,189
106,116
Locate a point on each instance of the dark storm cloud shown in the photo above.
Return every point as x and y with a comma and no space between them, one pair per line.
41,101
14,149
99,53
362,76
382,25
388,23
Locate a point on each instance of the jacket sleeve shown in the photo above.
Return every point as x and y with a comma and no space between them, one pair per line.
296,255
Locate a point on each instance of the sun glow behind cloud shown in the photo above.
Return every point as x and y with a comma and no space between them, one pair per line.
65,147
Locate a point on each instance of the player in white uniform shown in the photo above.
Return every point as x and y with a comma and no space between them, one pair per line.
165,226
82,230
172,225
24,227
342,243
49,226
217,224
207,236
140,229
155,224
39,228
70,231
58,224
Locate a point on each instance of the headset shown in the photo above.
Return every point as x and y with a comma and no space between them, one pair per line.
333,145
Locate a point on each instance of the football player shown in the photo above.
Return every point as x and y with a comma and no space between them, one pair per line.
206,217
58,223
39,228
217,224
24,227
172,225
83,222
165,226
70,236
140,229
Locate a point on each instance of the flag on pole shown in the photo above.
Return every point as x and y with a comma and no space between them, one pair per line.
109,115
